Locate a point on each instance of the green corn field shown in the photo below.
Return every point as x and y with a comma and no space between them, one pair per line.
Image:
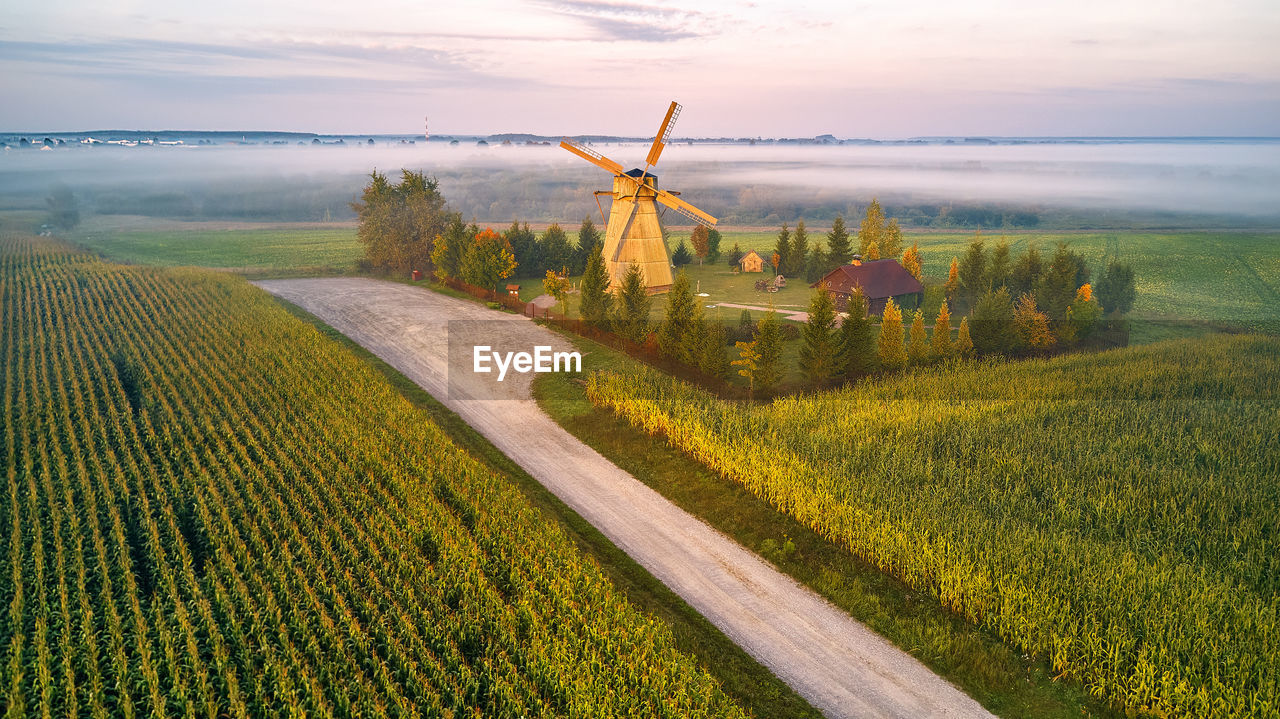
1117,514
212,510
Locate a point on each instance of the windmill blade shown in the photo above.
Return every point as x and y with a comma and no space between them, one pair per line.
591,156
664,133
685,209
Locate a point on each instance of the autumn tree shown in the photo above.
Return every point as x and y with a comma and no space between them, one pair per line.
856,340
952,287
398,223
1031,325
941,341
872,229
918,340
488,260
893,354
839,251
701,242
595,300
892,245
1116,288
556,286
964,344
911,262
818,351
748,364
992,328
632,306
873,251
1082,315
451,246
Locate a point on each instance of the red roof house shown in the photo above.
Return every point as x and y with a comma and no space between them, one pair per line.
879,280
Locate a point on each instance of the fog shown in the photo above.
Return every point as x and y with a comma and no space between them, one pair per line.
1219,182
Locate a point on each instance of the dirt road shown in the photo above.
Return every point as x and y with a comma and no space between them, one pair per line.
838,665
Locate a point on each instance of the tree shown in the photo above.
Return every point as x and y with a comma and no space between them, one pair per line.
873,252
892,245
701,242
911,262
782,252
451,246
892,353
735,255
713,360
488,260
713,245
677,325
964,344
1057,286
816,266
749,363
524,245
839,251
918,343
557,287
588,243
768,344
1116,288
998,273
1031,325
398,224
633,305
64,211
857,339
1083,314
744,321
1026,272
553,246
992,327
799,258
953,280
681,256
818,352
872,229
973,271
595,300
941,342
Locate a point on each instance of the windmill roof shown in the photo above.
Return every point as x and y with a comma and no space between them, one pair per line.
877,278
637,172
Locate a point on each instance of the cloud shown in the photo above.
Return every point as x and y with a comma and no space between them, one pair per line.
637,22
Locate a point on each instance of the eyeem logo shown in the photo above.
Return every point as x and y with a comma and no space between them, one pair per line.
543,359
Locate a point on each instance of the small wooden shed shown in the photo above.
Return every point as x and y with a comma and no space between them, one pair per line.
513,290
751,262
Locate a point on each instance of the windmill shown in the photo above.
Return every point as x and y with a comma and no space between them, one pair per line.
633,234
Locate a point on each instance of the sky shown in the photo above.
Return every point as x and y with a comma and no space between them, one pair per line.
768,69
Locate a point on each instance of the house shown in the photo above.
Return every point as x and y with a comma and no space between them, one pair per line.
751,262
879,280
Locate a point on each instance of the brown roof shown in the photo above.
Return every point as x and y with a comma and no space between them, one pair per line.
513,287
877,278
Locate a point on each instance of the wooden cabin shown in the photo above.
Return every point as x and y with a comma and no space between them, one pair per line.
514,291
879,280
751,262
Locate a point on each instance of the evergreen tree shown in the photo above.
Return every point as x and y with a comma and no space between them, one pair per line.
681,256
589,242
872,229
992,330
713,360
817,264
857,339
768,345
554,248
918,344
973,271
677,325
818,351
1026,272
713,245
744,321
1083,314
735,255
998,273
893,355
911,262
798,261
892,245
839,251
488,260
942,333
782,252
701,242
1116,289
1057,286
633,306
595,300
1031,325
524,246
964,344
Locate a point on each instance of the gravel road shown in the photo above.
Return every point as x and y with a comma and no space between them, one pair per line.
837,664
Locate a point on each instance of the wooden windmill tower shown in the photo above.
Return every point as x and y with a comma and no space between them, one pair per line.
634,231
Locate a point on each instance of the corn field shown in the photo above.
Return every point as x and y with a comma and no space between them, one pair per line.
212,510
1117,514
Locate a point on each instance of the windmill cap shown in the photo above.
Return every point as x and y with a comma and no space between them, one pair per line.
637,172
